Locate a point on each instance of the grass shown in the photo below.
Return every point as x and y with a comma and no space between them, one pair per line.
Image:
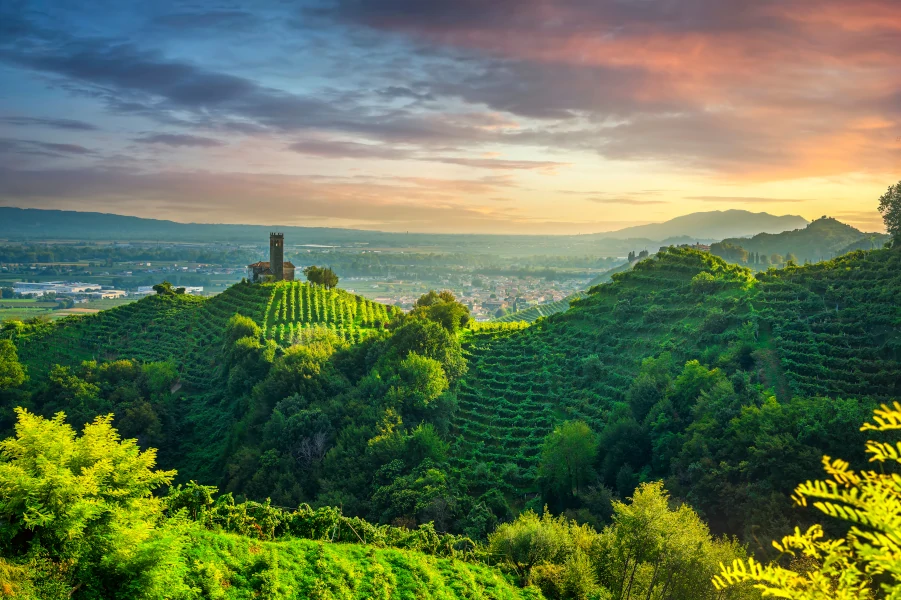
236,567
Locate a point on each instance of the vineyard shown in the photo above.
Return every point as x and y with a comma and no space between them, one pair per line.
533,313
188,330
836,325
829,329
297,312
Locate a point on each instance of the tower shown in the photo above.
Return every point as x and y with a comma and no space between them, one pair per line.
277,255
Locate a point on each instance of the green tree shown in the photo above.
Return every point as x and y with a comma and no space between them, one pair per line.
164,289
419,381
653,550
531,542
323,276
567,456
443,309
12,374
890,207
867,558
86,504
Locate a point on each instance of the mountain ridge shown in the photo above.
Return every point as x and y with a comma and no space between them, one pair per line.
709,225
30,223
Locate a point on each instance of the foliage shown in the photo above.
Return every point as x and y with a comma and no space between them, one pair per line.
85,503
323,276
11,372
443,309
866,559
652,550
567,456
166,289
890,207
649,551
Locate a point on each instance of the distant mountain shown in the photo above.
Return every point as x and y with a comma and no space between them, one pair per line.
30,224
714,225
822,239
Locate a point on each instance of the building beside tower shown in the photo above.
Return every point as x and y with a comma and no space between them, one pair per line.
276,269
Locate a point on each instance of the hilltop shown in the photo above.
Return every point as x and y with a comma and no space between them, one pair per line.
189,329
712,225
822,239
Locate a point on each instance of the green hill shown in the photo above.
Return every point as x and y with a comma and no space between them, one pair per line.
829,329
726,385
822,239
188,329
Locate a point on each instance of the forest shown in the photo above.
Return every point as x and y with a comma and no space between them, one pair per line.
664,437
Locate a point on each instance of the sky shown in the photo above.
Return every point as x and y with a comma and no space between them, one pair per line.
501,116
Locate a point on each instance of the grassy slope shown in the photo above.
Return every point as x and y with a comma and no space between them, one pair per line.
240,567
830,329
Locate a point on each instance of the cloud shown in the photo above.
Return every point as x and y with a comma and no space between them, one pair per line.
746,199
398,204
399,91
53,123
229,19
342,149
179,140
630,201
52,149
502,165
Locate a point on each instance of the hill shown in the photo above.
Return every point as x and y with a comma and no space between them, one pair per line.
713,225
822,239
189,329
615,360
673,369
533,313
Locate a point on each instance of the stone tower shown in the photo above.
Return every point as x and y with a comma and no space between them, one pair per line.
277,256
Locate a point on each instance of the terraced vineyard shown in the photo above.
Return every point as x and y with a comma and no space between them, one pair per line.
533,313
297,311
188,329
837,325
831,329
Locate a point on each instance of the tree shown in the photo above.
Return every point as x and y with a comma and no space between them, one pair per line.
653,550
323,276
12,374
890,207
86,504
164,289
531,542
443,309
566,457
849,568
419,381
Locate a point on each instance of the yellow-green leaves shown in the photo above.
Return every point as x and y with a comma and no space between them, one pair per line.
844,569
